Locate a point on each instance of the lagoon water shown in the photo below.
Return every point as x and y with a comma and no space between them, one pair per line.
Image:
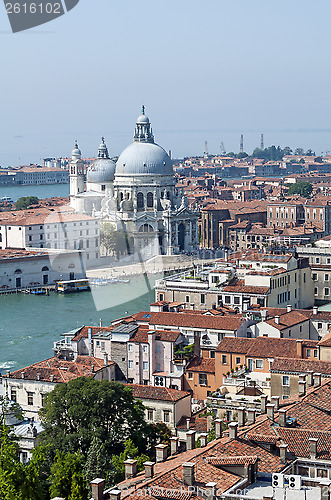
41,191
29,324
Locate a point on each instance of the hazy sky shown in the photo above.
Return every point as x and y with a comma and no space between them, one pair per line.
205,70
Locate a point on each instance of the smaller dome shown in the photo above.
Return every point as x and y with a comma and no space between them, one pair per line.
142,119
101,170
76,152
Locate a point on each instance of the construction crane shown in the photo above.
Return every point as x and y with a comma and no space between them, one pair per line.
206,150
241,143
222,148
262,142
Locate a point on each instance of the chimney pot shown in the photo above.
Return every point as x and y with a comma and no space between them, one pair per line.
310,378
115,494
97,486
282,452
218,428
317,379
161,452
315,310
251,416
277,320
289,308
174,445
149,469
302,388
22,374
203,439
38,376
233,430
188,473
190,440
264,400
100,322
313,448
241,417
188,423
282,417
130,468
270,411
275,402
52,378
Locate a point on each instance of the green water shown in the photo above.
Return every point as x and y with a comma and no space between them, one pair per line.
30,324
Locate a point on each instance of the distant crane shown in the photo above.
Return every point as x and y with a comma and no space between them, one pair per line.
262,142
206,150
222,148
241,143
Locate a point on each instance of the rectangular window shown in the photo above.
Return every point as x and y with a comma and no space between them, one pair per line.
326,291
238,361
317,260
203,298
212,354
145,365
259,364
30,398
190,375
308,353
202,378
145,348
166,416
161,297
316,290
130,347
304,277
236,300
130,364
326,277
187,298
150,415
224,359
227,299
314,276
315,353
319,325
286,380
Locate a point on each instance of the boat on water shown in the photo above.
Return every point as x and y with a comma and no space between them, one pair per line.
72,286
38,292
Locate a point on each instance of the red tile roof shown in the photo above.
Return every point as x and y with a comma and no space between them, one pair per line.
206,365
158,393
183,319
292,365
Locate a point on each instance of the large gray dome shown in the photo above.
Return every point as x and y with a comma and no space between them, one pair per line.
101,170
144,158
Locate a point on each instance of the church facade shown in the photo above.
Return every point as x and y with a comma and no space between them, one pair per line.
137,195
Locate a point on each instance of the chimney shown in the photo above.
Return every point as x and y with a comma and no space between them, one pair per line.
38,376
299,349
97,486
174,445
8,373
277,320
130,468
315,310
211,487
310,378
196,344
302,388
89,338
288,308
313,448
203,439
282,418
100,323
209,423
105,359
92,368
282,452
218,428
317,379
188,473
188,423
22,374
250,416
233,430
275,402
51,378
115,494
241,416
264,400
149,469
161,452
190,440
270,411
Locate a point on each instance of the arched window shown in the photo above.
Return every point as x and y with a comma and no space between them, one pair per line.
45,269
18,271
140,200
81,245
150,199
146,228
121,196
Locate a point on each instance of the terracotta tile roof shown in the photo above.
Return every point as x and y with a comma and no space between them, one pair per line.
238,345
326,340
158,393
239,287
232,460
184,319
199,424
83,332
292,365
206,365
287,320
59,370
163,335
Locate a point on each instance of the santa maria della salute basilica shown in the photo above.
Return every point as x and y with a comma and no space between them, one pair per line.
136,195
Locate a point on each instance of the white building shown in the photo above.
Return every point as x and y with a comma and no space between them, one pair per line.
137,195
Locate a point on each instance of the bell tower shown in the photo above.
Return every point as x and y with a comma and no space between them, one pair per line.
76,172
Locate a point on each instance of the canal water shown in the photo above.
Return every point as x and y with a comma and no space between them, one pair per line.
29,324
41,191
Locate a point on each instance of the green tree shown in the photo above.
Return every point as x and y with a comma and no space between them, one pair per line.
98,464
299,151
129,451
66,477
25,201
303,188
11,469
84,408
